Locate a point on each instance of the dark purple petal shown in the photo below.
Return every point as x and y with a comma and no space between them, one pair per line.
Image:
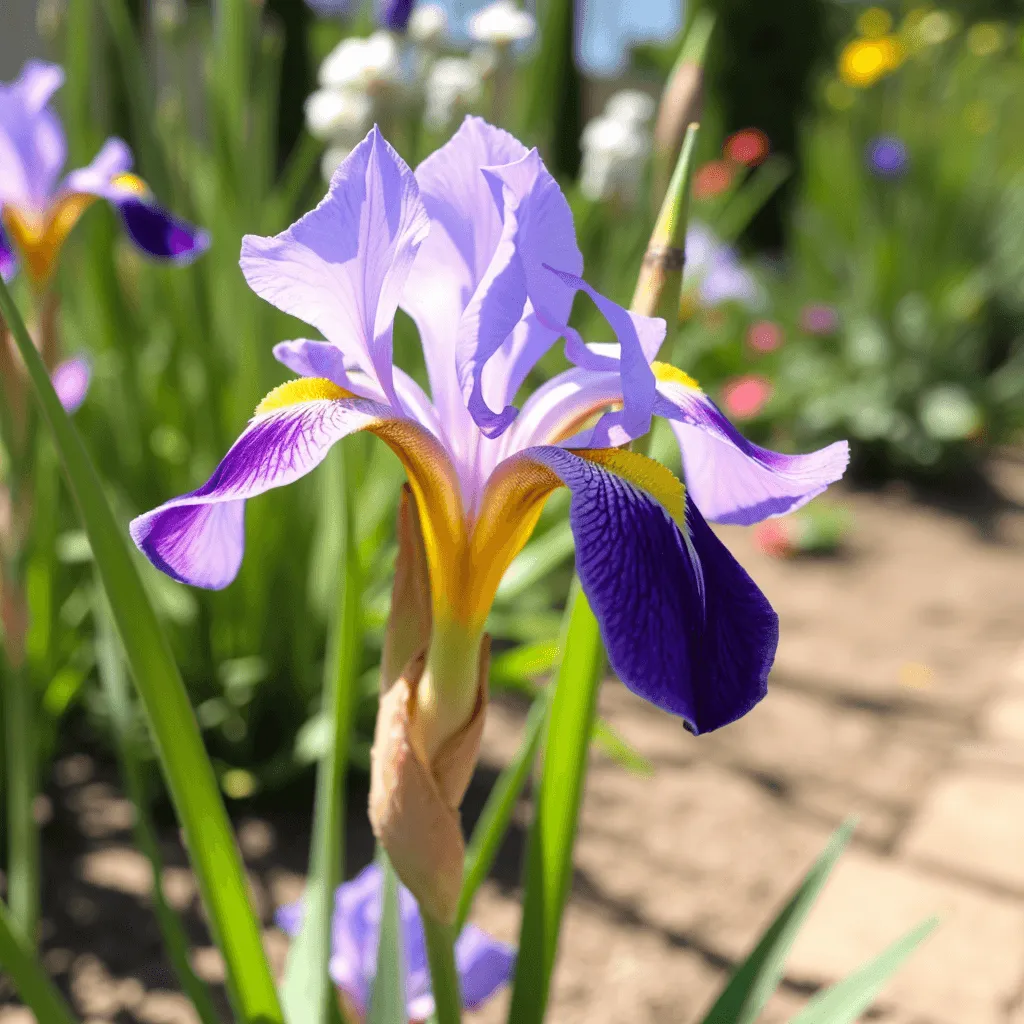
160,235
71,382
394,14
199,538
684,626
733,480
8,261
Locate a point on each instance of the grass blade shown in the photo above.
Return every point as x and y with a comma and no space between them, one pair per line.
387,1000
621,750
115,689
186,767
750,988
308,992
497,812
845,1001
31,981
557,805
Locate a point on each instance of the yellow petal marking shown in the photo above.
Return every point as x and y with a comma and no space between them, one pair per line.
651,477
305,389
39,238
130,183
673,375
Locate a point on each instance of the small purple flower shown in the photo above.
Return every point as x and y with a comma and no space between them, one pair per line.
717,268
71,382
819,318
478,246
484,964
38,208
887,156
394,14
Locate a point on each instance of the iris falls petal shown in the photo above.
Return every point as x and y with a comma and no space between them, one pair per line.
684,625
731,479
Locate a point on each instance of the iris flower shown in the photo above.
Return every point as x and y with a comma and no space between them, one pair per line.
478,246
38,208
484,964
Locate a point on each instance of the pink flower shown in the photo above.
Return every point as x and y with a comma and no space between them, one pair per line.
772,538
764,336
745,397
749,146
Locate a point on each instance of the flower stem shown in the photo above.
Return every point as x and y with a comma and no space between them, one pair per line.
444,977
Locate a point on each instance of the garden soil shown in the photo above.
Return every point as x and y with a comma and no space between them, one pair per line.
898,697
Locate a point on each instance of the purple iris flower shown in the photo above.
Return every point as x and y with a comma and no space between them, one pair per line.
71,382
484,964
887,156
394,14
478,246
38,208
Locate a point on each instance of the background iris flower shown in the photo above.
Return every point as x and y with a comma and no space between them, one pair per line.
479,247
38,209
484,964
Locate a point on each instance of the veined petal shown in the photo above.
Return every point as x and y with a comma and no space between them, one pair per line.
32,143
684,626
342,267
731,479
199,538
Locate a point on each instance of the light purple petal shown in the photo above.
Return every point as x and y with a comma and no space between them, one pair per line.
537,235
289,918
32,143
484,965
342,267
71,382
732,480
465,230
97,178
199,538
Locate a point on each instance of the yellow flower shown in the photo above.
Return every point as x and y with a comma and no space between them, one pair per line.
864,61
986,38
874,23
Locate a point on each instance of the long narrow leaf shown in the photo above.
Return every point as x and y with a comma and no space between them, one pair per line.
497,812
387,1000
444,976
187,768
33,984
845,1001
115,688
559,794
308,993
752,985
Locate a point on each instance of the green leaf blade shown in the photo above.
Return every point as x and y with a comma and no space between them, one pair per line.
387,1000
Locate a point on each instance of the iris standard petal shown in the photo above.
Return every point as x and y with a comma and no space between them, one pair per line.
71,382
465,229
97,178
32,143
199,538
537,235
684,626
731,479
342,267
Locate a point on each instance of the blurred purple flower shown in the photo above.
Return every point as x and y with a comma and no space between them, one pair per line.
483,963
394,14
38,207
717,268
819,318
71,382
887,156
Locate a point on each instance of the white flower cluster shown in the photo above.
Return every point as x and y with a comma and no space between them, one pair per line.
502,24
616,146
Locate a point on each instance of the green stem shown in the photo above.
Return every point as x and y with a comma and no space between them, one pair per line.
189,774
22,831
444,976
